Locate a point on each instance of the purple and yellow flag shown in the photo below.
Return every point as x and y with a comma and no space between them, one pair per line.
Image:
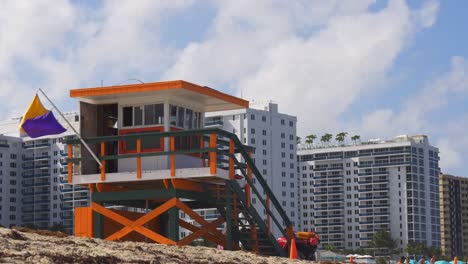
38,121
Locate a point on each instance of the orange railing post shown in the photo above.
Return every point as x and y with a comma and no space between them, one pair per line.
103,162
138,149
231,159
70,163
172,148
213,154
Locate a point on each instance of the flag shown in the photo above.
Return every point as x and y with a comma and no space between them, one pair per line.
38,121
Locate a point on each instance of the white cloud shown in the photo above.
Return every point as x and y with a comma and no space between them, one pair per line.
261,48
67,46
416,116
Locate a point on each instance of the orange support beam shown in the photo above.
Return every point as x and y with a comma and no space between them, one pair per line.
216,239
172,149
84,222
268,215
70,163
166,183
196,217
201,232
103,167
231,159
138,159
137,225
212,145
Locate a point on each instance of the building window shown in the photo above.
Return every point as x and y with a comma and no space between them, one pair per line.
252,117
282,121
252,130
154,114
264,118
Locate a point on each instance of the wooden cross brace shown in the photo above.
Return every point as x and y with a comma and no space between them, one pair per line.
207,230
137,225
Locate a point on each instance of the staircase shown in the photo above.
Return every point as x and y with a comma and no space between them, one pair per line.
248,227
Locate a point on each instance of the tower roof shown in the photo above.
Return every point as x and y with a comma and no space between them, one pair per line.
208,98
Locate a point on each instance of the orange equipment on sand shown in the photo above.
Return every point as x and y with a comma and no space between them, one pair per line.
306,243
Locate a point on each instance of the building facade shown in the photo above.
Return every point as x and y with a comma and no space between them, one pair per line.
350,192
10,181
34,182
273,135
454,215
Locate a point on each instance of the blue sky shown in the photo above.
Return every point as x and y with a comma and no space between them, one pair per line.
370,67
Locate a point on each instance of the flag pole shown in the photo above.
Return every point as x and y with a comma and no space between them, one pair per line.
74,130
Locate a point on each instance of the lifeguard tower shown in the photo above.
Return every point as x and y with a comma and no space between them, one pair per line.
158,159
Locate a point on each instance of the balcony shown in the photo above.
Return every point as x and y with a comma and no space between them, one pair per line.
214,123
43,219
328,208
36,175
330,224
374,222
40,145
373,181
373,198
362,190
328,184
327,177
35,193
36,158
36,166
328,216
384,164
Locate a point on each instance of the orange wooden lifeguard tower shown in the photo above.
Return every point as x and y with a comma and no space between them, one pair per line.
157,159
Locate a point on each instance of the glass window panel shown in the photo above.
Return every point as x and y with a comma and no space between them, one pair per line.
128,116
159,114
180,117
138,115
154,114
195,120
173,115
188,118
149,115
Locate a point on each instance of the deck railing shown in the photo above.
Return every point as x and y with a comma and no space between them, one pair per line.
218,149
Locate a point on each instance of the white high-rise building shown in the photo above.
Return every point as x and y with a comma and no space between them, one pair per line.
350,192
34,182
273,135
10,180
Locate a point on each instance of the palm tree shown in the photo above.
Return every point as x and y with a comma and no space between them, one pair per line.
355,138
326,138
340,137
310,139
298,140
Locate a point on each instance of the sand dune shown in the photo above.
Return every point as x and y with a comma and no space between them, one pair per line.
31,246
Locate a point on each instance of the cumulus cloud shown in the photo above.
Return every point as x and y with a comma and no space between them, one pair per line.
262,49
61,45
417,112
